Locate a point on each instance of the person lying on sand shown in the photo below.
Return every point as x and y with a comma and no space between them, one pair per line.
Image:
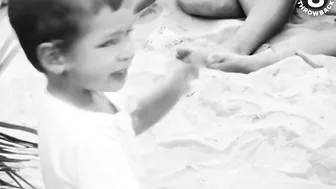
248,50
84,49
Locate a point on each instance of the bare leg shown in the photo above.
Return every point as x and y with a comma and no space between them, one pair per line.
311,42
264,19
142,4
212,8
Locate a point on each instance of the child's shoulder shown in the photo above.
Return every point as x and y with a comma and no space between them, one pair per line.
58,115
123,101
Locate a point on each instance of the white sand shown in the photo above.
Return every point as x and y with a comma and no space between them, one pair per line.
274,128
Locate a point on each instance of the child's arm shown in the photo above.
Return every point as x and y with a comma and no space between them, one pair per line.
156,104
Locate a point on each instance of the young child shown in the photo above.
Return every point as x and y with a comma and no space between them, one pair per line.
84,49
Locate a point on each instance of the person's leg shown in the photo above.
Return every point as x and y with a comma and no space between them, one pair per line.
247,5
142,4
212,8
264,19
314,42
308,40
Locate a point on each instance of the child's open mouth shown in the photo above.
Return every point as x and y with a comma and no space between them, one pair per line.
121,74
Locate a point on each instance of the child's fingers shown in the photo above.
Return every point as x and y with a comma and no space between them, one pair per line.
308,59
182,53
190,56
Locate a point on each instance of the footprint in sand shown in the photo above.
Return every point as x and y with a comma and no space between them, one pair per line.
163,38
300,124
219,36
197,144
278,136
240,105
232,107
323,162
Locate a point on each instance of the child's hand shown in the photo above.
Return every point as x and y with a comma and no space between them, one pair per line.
189,66
160,100
193,55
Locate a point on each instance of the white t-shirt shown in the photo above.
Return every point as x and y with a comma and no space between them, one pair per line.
83,150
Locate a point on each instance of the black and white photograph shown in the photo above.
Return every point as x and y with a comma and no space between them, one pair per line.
167,94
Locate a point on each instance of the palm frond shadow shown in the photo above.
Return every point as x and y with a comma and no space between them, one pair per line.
15,151
8,51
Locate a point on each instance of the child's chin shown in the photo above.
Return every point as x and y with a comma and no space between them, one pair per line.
114,87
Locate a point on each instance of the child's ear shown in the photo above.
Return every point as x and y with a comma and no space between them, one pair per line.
51,58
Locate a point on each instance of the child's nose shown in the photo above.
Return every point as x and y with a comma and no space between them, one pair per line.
127,53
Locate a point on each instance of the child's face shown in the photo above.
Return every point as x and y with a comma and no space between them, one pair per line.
99,60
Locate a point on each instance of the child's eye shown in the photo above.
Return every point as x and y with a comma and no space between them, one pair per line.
109,43
129,30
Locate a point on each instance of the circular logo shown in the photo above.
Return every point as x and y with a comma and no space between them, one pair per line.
315,7
315,4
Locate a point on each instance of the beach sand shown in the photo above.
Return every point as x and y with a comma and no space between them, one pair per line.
274,128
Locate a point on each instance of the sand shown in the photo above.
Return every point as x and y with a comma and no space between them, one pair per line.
273,128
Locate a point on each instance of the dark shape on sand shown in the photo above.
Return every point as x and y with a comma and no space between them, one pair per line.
9,144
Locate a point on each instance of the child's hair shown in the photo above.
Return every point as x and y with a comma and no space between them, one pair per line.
39,21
